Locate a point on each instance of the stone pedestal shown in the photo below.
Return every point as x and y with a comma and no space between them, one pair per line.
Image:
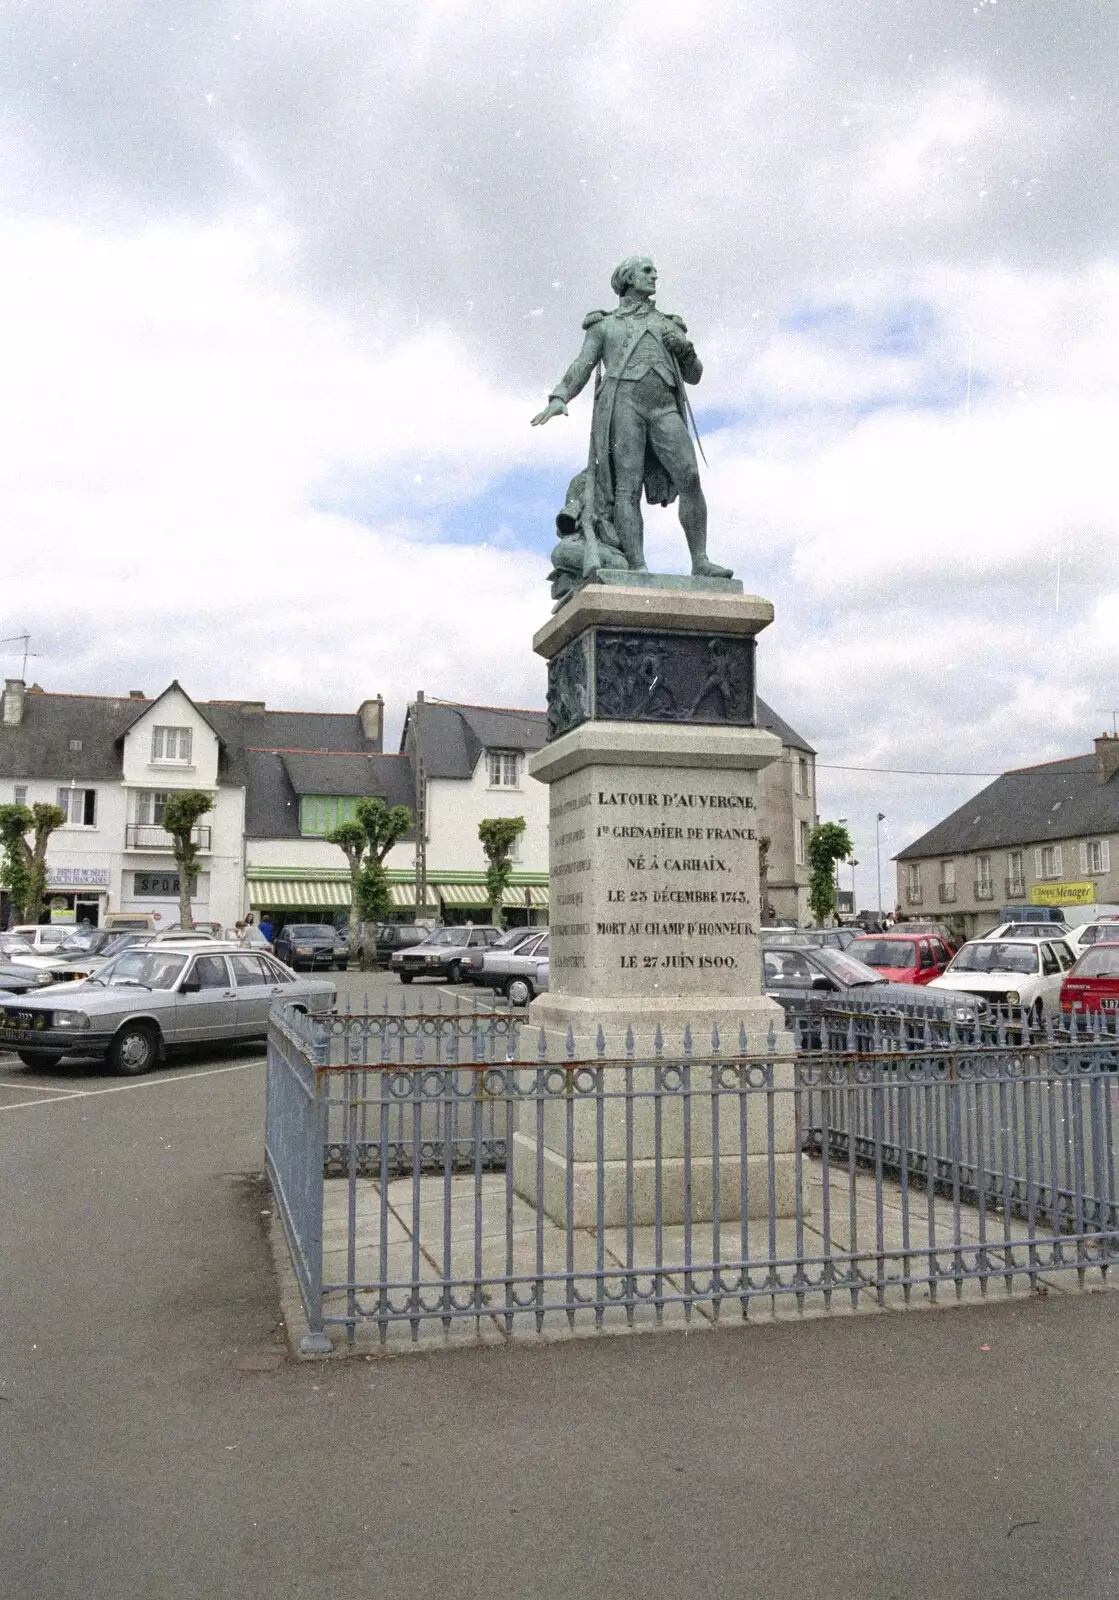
652,769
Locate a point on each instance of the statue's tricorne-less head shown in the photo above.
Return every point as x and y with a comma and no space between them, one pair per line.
625,273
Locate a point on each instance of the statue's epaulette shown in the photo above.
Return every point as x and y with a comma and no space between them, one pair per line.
679,321
592,317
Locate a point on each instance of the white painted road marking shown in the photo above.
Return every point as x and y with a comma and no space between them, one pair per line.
120,1088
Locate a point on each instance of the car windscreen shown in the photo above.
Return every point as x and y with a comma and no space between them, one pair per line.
841,965
510,940
448,936
149,969
1095,931
885,952
1101,961
996,956
311,933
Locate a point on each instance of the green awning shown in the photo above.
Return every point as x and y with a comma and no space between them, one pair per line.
305,894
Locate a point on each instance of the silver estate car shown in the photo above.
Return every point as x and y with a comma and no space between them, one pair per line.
153,998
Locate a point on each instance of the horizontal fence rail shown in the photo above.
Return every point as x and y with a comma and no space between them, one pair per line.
430,1180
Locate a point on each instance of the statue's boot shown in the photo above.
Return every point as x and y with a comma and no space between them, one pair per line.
703,568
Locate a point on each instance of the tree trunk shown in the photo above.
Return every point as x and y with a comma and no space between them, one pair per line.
185,917
353,931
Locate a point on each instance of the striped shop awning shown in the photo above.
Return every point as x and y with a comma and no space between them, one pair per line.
476,894
311,894
404,895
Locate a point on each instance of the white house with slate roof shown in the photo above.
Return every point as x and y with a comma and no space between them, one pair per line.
1044,835
281,780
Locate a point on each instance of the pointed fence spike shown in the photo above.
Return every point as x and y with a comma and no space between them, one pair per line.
570,1043
687,1038
629,1041
771,1038
542,1046
600,1042
742,1039
715,1039
658,1042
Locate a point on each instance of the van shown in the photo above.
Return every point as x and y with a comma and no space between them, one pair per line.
134,921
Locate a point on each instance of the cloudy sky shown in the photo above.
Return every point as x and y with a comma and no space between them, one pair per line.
282,282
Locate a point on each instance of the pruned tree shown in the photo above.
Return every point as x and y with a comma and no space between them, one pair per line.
23,865
180,817
764,845
498,836
827,844
365,843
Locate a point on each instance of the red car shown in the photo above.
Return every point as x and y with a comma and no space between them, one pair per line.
1093,983
902,957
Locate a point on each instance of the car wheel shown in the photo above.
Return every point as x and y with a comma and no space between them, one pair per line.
519,991
454,972
406,977
134,1050
40,1058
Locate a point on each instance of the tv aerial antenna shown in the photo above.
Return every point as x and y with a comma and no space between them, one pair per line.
1113,713
25,640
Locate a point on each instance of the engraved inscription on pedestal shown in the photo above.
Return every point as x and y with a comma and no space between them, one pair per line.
654,883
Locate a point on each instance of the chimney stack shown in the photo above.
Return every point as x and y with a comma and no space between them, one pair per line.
13,702
1107,757
137,694
372,715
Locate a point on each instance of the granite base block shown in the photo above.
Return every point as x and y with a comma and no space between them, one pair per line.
630,1190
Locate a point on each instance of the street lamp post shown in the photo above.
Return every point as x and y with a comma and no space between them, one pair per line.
878,852
842,821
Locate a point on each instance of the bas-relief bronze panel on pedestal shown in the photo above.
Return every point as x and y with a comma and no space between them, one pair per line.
630,675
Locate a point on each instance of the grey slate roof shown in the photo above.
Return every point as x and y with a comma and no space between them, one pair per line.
768,718
276,781
1028,806
39,747
454,736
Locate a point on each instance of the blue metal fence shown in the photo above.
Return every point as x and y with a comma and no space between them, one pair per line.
466,1190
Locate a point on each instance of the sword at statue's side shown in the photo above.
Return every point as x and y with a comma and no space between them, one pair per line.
689,415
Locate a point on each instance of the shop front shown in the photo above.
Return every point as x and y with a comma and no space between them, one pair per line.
154,889
323,895
77,895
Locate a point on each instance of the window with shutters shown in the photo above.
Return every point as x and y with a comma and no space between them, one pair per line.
78,806
319,814
984,888
1015,873
1047,862
1095,857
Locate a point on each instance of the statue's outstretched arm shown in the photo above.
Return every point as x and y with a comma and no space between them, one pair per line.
575,377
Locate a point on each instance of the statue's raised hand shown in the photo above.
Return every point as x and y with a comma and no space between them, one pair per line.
554,408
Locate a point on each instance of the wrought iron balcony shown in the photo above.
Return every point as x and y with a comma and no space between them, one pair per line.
914,896
947,893
984,889
1015,888
150,836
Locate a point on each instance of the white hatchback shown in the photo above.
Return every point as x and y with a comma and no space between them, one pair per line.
1024,973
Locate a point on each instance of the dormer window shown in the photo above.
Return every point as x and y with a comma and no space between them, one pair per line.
504,768
171,746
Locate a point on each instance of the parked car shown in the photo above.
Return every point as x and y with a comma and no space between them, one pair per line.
214,928
829,938
22,979
155,998
137,921
942,931
41,936
807,982
1093,983
902,957
393,936
1022,973
82,953
310,944
1029,930
443,954
473,965
513,972
1105,929
11,946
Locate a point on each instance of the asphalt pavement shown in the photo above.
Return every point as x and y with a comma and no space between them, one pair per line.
155,1440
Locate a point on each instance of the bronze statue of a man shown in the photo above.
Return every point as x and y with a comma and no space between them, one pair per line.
639,431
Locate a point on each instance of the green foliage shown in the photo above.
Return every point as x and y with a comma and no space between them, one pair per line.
23,866
827,844
365,843
180,815
498,836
